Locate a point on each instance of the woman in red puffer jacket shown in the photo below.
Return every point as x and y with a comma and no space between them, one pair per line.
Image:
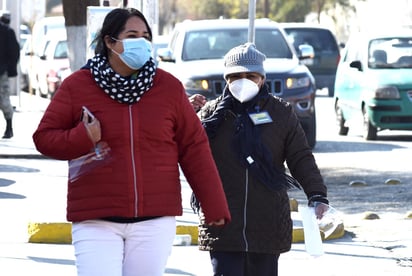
123,212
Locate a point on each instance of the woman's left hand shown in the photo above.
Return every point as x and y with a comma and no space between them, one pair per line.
320,209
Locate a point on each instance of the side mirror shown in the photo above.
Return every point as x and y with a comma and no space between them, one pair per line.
165,54
306,51
356,64
306,54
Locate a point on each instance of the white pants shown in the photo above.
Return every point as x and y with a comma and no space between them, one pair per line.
123,249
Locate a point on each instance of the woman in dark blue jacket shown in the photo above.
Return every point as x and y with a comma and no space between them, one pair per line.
252,134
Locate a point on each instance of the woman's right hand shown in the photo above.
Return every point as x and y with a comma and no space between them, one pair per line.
93,128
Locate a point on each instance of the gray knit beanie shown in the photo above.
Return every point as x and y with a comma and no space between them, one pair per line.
244,58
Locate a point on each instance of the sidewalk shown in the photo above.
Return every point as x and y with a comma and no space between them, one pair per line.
28,112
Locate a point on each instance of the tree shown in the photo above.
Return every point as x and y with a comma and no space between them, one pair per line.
278,10
323,5
167,14
75,14
289,11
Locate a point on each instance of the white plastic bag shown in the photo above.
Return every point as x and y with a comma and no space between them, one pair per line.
98,157
330,221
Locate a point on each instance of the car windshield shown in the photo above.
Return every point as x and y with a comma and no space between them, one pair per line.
393,52
61,50
214,44
320,40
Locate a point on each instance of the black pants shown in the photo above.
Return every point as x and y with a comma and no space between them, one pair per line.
243,264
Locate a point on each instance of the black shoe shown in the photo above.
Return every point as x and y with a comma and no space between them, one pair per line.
8,134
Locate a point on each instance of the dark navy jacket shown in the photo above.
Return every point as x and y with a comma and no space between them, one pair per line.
9,51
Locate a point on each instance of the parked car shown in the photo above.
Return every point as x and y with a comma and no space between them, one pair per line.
373,83
25,60
197,48
159,42
327,52
43,30
53,66
24,29
23,39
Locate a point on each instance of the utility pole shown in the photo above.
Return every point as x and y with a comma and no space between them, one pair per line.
252,15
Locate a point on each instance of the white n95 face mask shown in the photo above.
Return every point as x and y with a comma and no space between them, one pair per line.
243,89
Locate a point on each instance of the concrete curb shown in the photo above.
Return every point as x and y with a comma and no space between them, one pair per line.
60,233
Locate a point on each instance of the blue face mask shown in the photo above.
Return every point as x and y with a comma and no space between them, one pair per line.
136,52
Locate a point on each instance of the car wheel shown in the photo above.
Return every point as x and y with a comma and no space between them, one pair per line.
340,121
50,95
24,83
310,131
44,91
369,130
41,88
331,90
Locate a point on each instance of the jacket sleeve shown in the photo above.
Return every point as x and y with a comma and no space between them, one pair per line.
60,134
197,163
300,159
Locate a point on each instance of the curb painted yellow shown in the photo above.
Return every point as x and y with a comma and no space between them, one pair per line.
190,230
50,232
298,235
337,233
293,203
60,233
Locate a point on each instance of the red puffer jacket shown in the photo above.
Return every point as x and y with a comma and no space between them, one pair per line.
148,139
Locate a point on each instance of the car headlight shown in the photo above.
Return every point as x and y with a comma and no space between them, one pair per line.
292,83
389,92
196,84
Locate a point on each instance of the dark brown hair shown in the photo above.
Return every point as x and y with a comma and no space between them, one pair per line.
113,24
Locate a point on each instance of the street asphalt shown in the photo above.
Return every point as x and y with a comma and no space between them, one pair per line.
384,247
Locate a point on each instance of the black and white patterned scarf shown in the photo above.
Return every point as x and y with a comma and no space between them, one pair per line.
127,90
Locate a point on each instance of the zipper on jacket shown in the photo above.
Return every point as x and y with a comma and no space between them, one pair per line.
133,160
245,211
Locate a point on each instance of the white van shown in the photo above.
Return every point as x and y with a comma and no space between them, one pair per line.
42,28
